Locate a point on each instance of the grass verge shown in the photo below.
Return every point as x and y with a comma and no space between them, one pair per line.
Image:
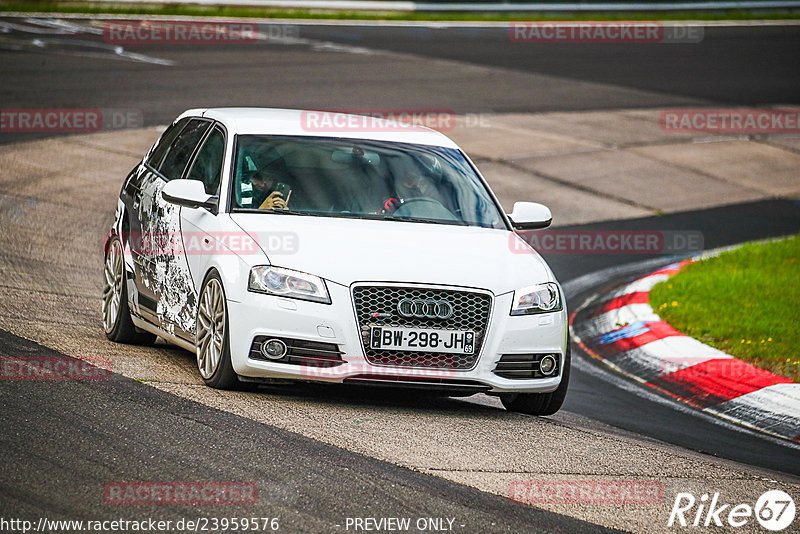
121,8
744,302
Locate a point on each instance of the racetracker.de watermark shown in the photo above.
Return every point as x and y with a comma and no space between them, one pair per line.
733,368
176,32
53,368
606,242
631,32
377,120
586,491
731,121
178,493
65,120
437,368
240,243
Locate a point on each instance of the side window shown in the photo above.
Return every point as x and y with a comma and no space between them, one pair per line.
207,166
157,154
182,149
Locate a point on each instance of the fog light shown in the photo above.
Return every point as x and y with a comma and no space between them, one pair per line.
274,349
547,365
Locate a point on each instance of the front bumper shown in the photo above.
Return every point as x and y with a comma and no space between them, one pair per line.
266,315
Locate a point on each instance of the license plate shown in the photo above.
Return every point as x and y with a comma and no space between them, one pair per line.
422,339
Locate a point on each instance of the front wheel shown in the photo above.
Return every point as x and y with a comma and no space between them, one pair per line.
540,403
212,338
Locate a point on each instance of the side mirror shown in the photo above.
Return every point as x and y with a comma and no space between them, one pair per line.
188,193
530,216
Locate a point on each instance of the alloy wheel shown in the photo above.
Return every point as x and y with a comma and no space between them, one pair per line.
210,328
112,287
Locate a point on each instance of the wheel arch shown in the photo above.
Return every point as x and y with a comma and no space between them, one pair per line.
232,270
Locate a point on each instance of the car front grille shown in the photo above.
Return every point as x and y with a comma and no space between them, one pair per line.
377,306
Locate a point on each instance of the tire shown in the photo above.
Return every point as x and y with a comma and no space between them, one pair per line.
117,321
540,403
212,348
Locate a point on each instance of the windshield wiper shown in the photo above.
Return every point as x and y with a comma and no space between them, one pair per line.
279,211
424,220
272,211
366,216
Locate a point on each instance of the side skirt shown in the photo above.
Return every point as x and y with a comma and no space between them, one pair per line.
171,338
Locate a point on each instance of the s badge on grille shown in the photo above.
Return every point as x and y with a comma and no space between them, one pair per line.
425,309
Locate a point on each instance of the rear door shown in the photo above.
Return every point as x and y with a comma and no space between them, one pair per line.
166,294
131,196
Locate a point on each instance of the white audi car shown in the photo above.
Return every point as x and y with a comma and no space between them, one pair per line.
274,244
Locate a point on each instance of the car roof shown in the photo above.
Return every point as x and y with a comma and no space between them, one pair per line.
317,123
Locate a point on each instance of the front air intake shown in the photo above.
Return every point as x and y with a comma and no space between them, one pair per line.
524,366
299,352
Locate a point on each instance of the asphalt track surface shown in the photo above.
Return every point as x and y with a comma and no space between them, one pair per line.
337,68
64,441
731,66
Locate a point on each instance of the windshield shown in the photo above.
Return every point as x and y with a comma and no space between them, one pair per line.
361,179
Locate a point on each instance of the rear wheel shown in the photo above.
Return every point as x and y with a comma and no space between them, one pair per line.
540,403
212,338
117,321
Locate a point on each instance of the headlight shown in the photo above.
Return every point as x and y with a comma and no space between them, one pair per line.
542,298
288,283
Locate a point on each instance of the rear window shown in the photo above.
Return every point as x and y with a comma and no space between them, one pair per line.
160,148
182,148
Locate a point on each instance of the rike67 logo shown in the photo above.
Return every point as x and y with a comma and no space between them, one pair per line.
774,510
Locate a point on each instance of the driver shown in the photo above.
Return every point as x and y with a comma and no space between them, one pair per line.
412,184
264,194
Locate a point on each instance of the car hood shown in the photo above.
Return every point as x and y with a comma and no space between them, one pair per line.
358,250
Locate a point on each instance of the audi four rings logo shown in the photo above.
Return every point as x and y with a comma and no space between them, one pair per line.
425,308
